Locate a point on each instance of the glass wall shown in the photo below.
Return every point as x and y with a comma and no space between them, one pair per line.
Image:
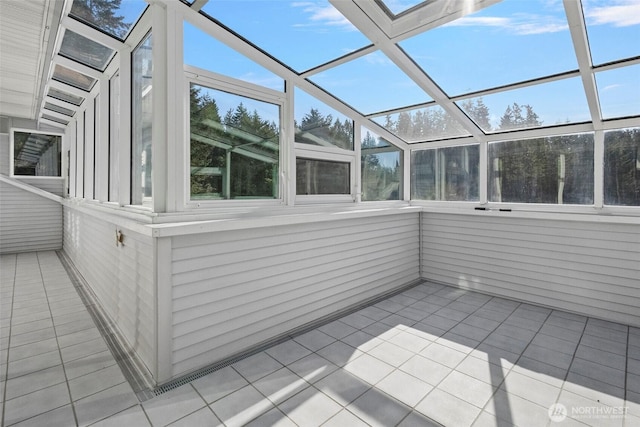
141,113
36,154
553,170
381,168
450,173
235,146
322,177
622,167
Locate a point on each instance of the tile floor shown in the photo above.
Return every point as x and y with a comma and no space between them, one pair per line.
431,355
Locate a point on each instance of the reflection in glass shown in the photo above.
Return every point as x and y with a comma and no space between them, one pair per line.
73,78
622,167
371,84
549,104
318,124
235,146
203,51
613,29
58,109
66,97
36,154
619,92
115,17
422,124
450,173
398,6
505,43
322,177
142,108
84,50
381,168
553,170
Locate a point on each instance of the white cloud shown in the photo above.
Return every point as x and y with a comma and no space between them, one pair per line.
611,87
622,14
324,15
522,24
377,58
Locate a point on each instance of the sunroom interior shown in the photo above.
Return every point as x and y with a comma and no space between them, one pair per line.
221,175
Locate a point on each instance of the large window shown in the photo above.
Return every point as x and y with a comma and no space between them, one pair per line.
235,145
450,173
381,168
142,63
36,154
553,170
322,177
622,167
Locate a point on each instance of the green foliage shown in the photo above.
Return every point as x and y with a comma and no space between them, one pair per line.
622,167
103,13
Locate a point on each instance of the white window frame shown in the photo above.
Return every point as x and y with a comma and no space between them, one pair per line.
228,84
63,162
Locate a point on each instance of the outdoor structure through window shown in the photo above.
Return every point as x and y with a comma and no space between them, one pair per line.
36,154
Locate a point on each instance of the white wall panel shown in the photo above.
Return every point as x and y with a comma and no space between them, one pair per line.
28,222
122,277
587,267
235,289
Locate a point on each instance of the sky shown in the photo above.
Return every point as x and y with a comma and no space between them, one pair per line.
512,41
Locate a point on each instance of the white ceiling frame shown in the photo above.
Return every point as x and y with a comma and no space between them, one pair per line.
339,61
91,33
72,90
56,115
198,4
578,31
271,64
60,126
77,66
374,33
63,104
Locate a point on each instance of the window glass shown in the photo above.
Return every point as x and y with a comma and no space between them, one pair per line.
235,146
398,6
619,92
450,173
305,33
113,17
59,109
422,124
322,177
141,178
86,51
505,43
36,154
622,167
55,119
203,51
318,124
553,170
548,104
114,137
612,26
381,168
66,97
371,84
73,78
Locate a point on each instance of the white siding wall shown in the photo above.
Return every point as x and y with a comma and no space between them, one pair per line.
28,222
235,289
591,268
122,277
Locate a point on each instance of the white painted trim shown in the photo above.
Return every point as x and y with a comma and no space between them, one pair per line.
80,143
77,66
124,144
89,149
102,141
91,33
159,142
15,181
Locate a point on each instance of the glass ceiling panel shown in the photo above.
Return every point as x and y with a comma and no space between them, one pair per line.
548,104
302,34
613,27
509,42
619,92
58,109
422,124
55,119
398,6
66,97
86,51
114,18
73,78
371,84
318,124
203,51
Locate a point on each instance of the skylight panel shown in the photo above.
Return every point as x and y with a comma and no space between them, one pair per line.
371,84
509,42
73,78
398,6
318,124
58,109
55,119
112,17
84,50
66,97
203,51
300,34
619,92
422,124
613,27
549,104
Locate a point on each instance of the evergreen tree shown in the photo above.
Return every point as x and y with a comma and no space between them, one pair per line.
103,13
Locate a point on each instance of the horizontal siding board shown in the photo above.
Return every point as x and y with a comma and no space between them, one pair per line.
234,289
588,267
